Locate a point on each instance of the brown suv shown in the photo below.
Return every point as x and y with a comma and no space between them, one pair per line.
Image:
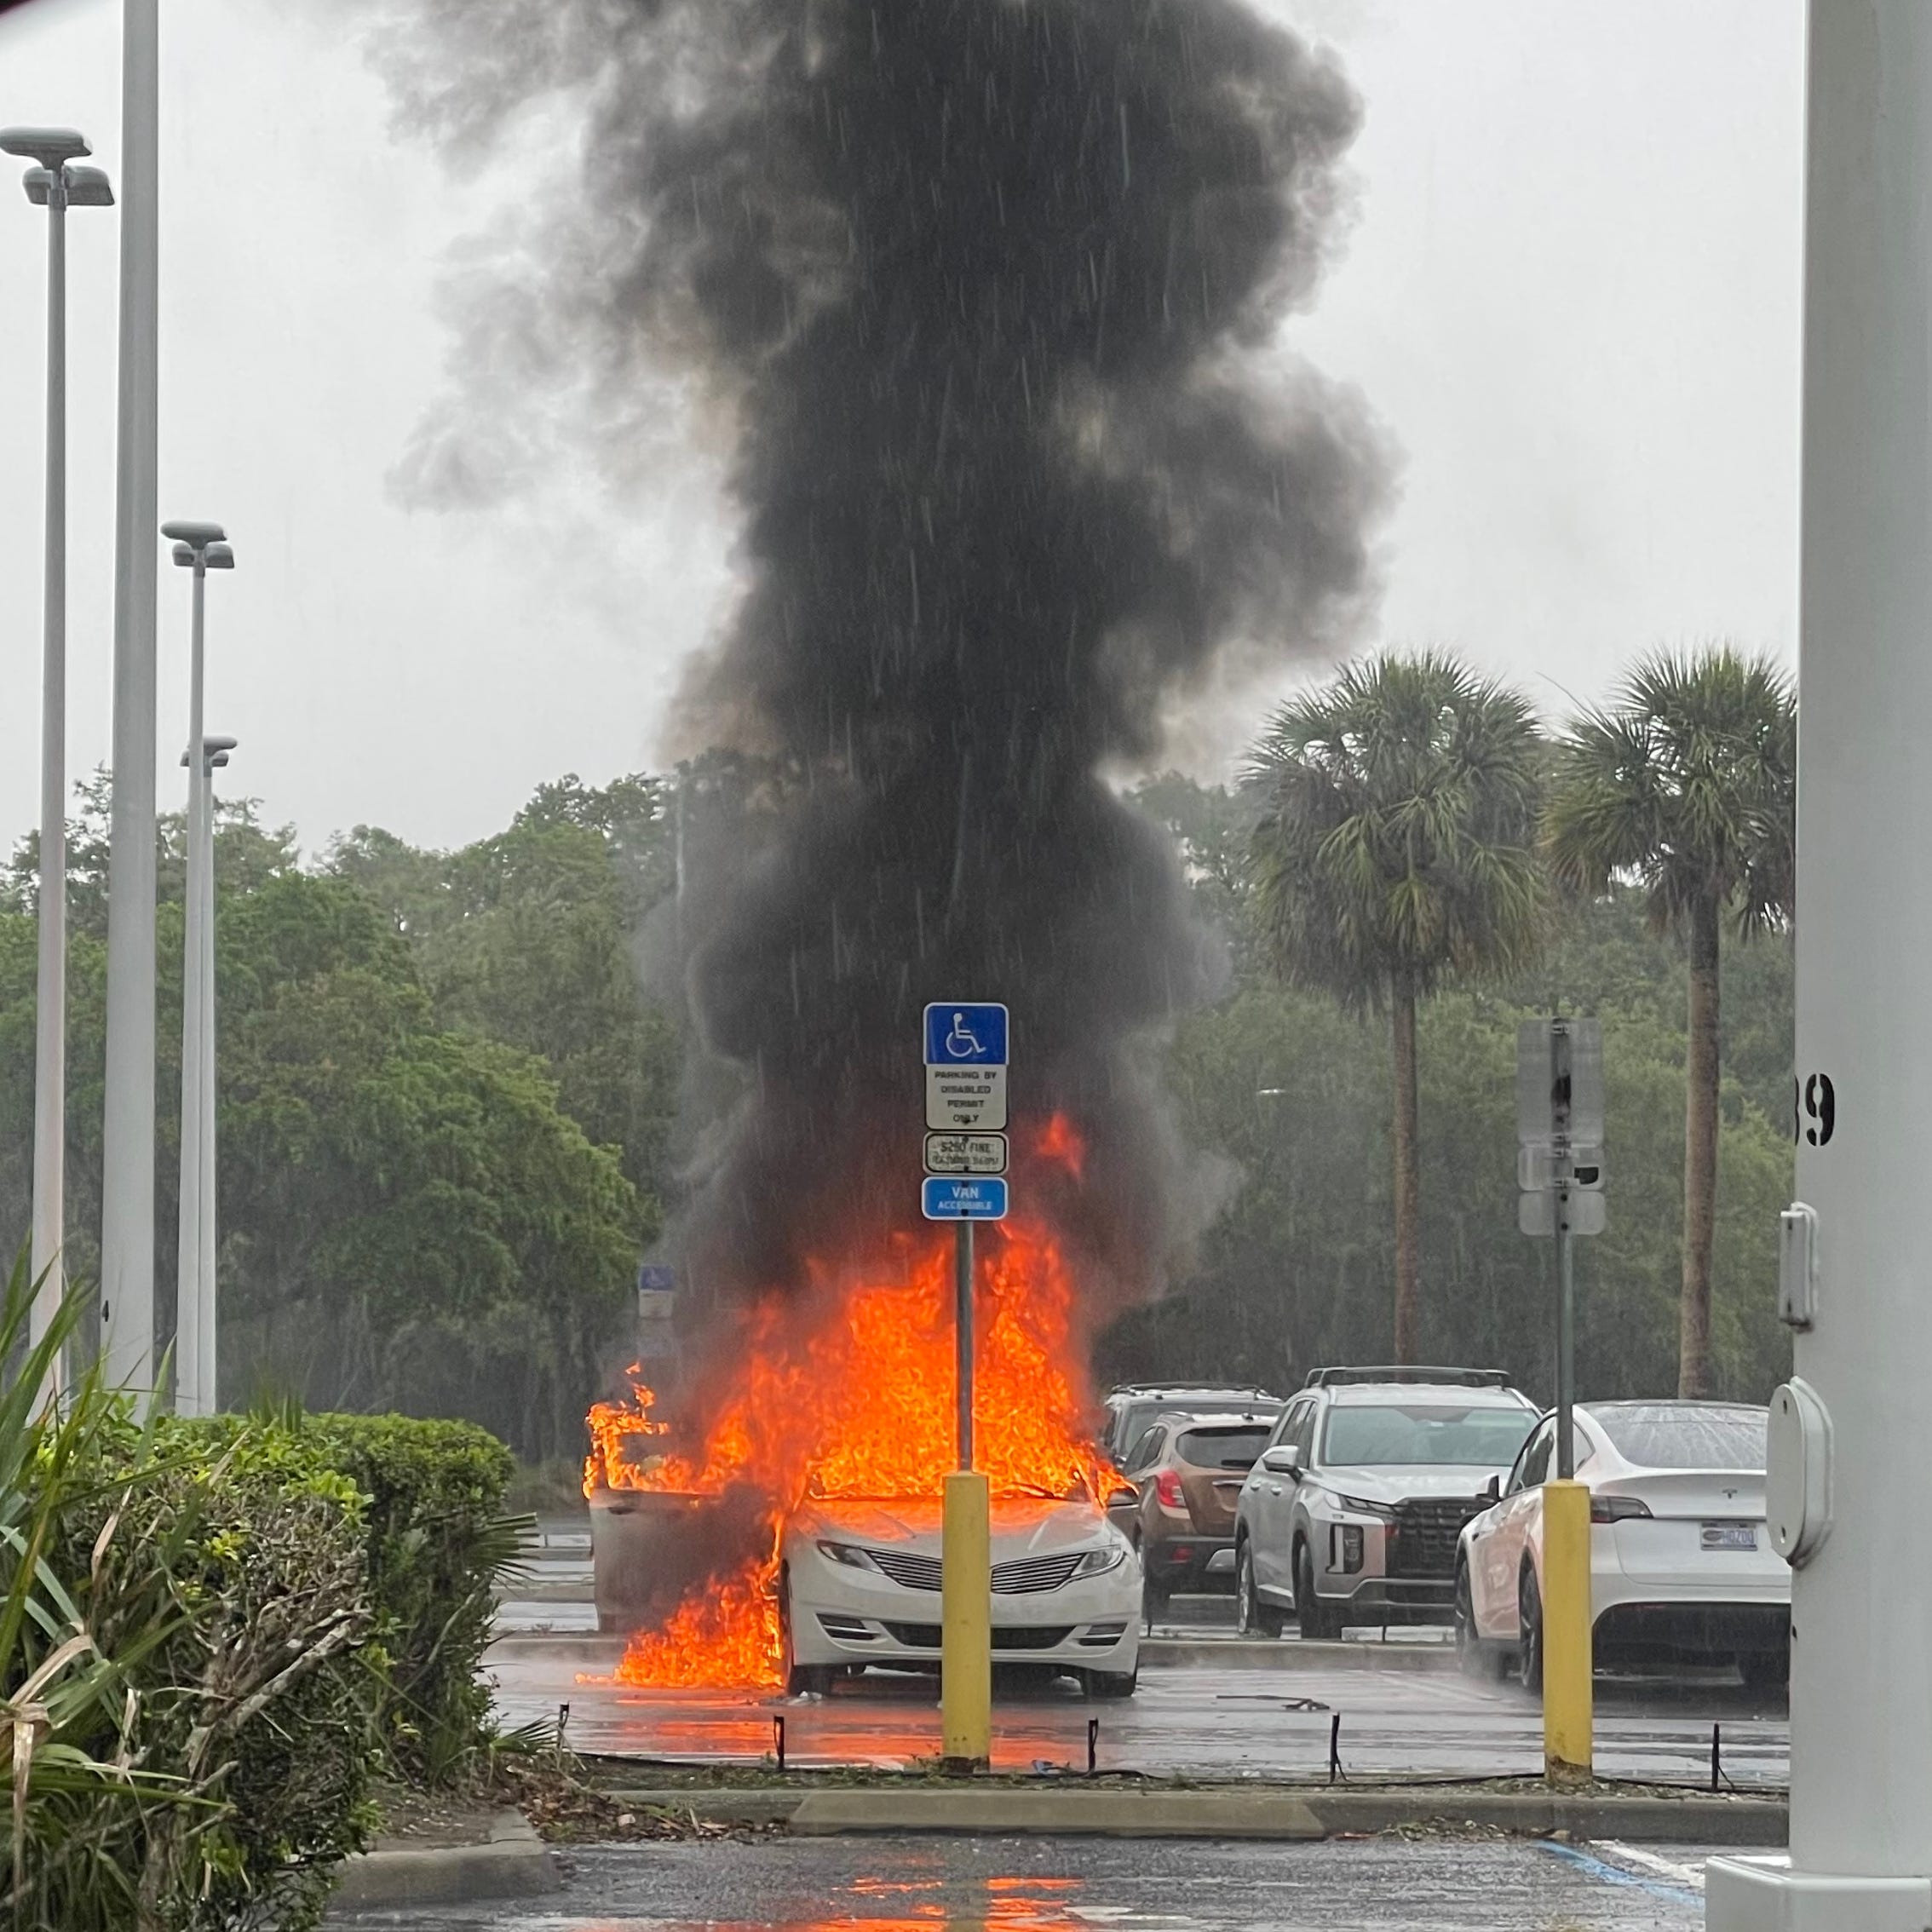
1188,1470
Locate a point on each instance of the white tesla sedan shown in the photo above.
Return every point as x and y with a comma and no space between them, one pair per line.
1682,1569
858,1584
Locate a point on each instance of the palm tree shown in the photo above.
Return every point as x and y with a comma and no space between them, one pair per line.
1686,782
1398,846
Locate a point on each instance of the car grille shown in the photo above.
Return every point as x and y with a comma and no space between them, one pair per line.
1423,1542
926,1636
1025,1576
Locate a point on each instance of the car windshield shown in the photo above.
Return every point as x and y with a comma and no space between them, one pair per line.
1424,1433
1138,1415
1222,1448
1672,1436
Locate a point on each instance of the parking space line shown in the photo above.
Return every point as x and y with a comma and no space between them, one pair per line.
1677,1894
1651,1862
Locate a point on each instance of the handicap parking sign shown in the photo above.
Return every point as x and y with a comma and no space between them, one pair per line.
963,1035
965,1068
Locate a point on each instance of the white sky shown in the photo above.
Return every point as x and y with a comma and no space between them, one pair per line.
1572,296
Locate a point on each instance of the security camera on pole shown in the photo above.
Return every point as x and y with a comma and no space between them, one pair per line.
1559,1171
966,1162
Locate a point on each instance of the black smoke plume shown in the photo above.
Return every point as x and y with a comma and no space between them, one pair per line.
982,287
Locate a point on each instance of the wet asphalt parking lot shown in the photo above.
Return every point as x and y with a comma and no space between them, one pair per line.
1206,1718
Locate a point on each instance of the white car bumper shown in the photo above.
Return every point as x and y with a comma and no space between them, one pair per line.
847,1617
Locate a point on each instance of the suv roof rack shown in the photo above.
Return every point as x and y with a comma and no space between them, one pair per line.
1193,1389
1443,1377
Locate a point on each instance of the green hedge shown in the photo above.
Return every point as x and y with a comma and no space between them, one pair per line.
251,1554
437,1536
435,1539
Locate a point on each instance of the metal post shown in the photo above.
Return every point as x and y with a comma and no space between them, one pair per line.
962,1337
205,1375
1560,1148
189,1398
965,1561
127,1156
1568,1715
1843,1498
50,993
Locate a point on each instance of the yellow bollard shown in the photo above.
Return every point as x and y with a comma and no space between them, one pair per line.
966,1624
1566,1663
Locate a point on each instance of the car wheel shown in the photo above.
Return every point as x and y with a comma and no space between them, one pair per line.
1475,1657
1529,1631
1252,1618
1113,1683
1312,1617
1765,1670
799,1679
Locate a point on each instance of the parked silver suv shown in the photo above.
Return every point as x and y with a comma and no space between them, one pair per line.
1353,1512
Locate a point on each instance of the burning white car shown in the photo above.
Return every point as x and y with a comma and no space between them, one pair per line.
858,1584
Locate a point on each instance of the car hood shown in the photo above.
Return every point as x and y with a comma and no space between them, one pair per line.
1021,1526
1395,1482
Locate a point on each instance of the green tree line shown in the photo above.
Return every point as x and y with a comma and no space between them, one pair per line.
451,1114
1410,848
445,1103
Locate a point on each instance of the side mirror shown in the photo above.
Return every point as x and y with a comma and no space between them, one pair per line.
1124,1497
1285,1461
1492,1490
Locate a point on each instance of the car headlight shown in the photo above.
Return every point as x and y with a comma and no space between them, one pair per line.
1362,1507
1098,1562
849,1554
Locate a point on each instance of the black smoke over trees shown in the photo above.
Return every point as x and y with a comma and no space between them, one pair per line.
986,292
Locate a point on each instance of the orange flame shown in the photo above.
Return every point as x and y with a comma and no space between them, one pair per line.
847,1391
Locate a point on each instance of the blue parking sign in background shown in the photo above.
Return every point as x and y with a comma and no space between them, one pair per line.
944,1198
961,1034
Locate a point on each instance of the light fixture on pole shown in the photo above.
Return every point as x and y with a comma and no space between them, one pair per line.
56,184
198,547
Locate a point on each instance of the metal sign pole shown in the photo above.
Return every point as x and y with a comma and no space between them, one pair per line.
966,1069
963,1322
1565,1285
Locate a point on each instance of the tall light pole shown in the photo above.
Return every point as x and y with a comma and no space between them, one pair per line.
201,1329
199,547
127,1143
1843,1501
55,184
216,750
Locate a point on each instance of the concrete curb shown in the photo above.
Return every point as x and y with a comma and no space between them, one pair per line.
1291,1653
515,1864
1035,1813
1225,1812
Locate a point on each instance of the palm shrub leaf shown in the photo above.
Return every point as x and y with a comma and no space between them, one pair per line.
1396,848
1686,783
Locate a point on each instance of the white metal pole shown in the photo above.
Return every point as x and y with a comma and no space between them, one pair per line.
50,995
127,1155
188,1299
1862,1661
205,1383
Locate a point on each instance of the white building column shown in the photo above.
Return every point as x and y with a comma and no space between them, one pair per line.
1861,1612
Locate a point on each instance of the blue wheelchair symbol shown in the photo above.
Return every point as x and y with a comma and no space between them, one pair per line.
963,1034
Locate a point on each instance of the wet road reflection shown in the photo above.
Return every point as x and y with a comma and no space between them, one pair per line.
1088,1885
1191,1719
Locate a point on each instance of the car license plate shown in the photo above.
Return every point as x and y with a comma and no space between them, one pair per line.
1730,1536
